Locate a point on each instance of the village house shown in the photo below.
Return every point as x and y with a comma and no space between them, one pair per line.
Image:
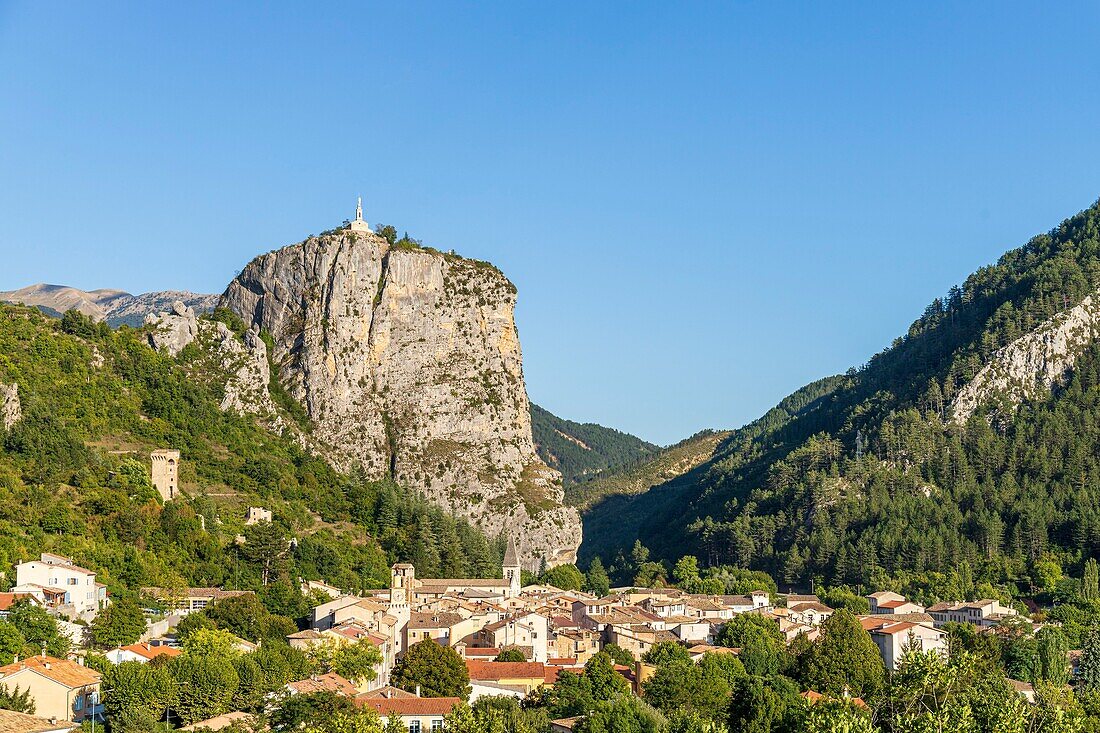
83,596
219,722
417,714
330,682
60,688
889,603
809,613
505,678
141,652
183,601
529,631
894,638
13,722
7,600
985,613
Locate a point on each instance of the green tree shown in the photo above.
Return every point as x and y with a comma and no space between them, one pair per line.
836,716
761,643
1090,584
357,661
15,699
597,581
619,655
510,655
765,705
134,720
845,660
207,685
1088,667
566,577
265,546
216,643
437,670
12,642
605,682
623,714
312,710
134,685
119,624
39,629
1053,655
666,652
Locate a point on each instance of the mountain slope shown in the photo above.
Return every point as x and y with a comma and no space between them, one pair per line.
873,478
91,404
582,450
116,307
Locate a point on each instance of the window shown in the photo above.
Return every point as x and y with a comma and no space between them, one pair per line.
414,726
437,725
73,581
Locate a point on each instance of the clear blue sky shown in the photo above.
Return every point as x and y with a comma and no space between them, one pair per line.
704,205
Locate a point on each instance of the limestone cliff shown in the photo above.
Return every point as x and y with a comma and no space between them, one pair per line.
10,409
1031,365
408,362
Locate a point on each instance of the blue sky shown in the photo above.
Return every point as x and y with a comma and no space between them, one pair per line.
704,205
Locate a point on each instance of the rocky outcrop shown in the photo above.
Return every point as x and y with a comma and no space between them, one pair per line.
1033,364
249,373
11,411
240,364
133,309
174,330
408,362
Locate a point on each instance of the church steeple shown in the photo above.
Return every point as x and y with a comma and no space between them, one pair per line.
357,224
512,570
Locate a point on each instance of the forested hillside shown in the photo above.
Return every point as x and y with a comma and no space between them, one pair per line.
582,450
864,478
74,475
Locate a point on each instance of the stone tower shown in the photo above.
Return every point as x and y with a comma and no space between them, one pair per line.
402,579
164,472
512,570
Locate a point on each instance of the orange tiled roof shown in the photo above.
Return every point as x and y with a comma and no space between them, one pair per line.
330,682
144,649
386,706
62,671
480,670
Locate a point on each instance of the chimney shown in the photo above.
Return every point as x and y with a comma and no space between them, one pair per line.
418,690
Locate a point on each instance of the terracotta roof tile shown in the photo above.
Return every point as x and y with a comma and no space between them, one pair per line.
62,671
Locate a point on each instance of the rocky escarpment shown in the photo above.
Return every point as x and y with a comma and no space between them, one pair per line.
408,362
1033,364
10,409
240,364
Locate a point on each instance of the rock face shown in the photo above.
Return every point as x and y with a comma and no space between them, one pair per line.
249,372
242,361
173,330
10,409
1033,364
408,362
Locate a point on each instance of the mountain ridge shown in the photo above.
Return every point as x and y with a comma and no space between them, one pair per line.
116,307
869,478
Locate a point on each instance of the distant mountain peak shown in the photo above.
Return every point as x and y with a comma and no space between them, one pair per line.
116,307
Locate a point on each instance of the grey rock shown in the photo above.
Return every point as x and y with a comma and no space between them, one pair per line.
173,331
1033,364
11,411
409,364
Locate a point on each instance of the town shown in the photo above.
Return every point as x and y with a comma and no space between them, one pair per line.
421,652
